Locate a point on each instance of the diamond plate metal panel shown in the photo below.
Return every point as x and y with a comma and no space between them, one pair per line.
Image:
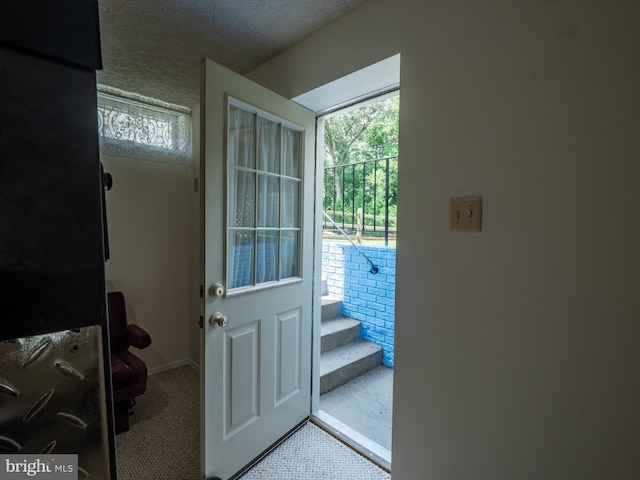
52,397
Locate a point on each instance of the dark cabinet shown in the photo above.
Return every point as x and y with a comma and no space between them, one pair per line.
54,370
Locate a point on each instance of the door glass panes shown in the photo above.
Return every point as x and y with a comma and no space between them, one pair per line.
263,198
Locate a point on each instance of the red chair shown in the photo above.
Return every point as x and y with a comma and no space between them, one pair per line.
128,372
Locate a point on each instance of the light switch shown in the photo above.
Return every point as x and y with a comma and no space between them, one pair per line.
465,214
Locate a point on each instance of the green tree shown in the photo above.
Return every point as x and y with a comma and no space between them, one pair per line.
366,133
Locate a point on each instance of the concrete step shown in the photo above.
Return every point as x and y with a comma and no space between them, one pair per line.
331,307
337,332
343,364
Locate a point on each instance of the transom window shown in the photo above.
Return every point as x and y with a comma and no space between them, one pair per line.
142,128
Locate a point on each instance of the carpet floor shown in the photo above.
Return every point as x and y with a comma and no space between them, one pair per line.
163,442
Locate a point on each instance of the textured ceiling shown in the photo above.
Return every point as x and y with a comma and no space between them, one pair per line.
154,47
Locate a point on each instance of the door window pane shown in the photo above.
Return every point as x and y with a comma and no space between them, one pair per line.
268,200
241,198
241,148
291,143
267,256
268,145
289,254
240,255
290,203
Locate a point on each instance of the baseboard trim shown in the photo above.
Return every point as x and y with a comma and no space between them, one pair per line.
172,365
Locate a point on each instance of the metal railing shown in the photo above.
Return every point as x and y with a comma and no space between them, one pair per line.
359,195
374,269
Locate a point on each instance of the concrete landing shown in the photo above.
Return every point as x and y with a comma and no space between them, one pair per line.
365,405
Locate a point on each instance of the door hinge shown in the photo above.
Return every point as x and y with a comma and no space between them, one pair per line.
201,291
201,321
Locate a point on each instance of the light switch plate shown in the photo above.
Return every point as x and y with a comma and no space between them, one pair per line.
465,214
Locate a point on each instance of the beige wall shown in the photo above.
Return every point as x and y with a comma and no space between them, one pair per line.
516,348
149,214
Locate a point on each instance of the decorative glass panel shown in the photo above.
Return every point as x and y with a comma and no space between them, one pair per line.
290,203
291,152
241,146
268,145
142,128
241,198
121,124
289,251
268,200
267,256
241,247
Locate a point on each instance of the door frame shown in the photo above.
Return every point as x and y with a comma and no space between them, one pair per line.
360,87
373,80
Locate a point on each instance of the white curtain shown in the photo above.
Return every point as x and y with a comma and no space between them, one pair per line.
268,200
263,208
290,202
241,157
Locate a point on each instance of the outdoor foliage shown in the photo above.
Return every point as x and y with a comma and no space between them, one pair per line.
361,149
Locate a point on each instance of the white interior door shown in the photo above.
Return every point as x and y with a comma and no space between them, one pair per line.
257,177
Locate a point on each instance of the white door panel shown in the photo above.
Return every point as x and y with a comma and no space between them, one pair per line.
257,177
288,355
241,377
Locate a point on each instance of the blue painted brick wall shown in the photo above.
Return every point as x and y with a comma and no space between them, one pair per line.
366,297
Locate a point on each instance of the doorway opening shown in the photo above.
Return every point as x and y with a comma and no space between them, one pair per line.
360,163
357,162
